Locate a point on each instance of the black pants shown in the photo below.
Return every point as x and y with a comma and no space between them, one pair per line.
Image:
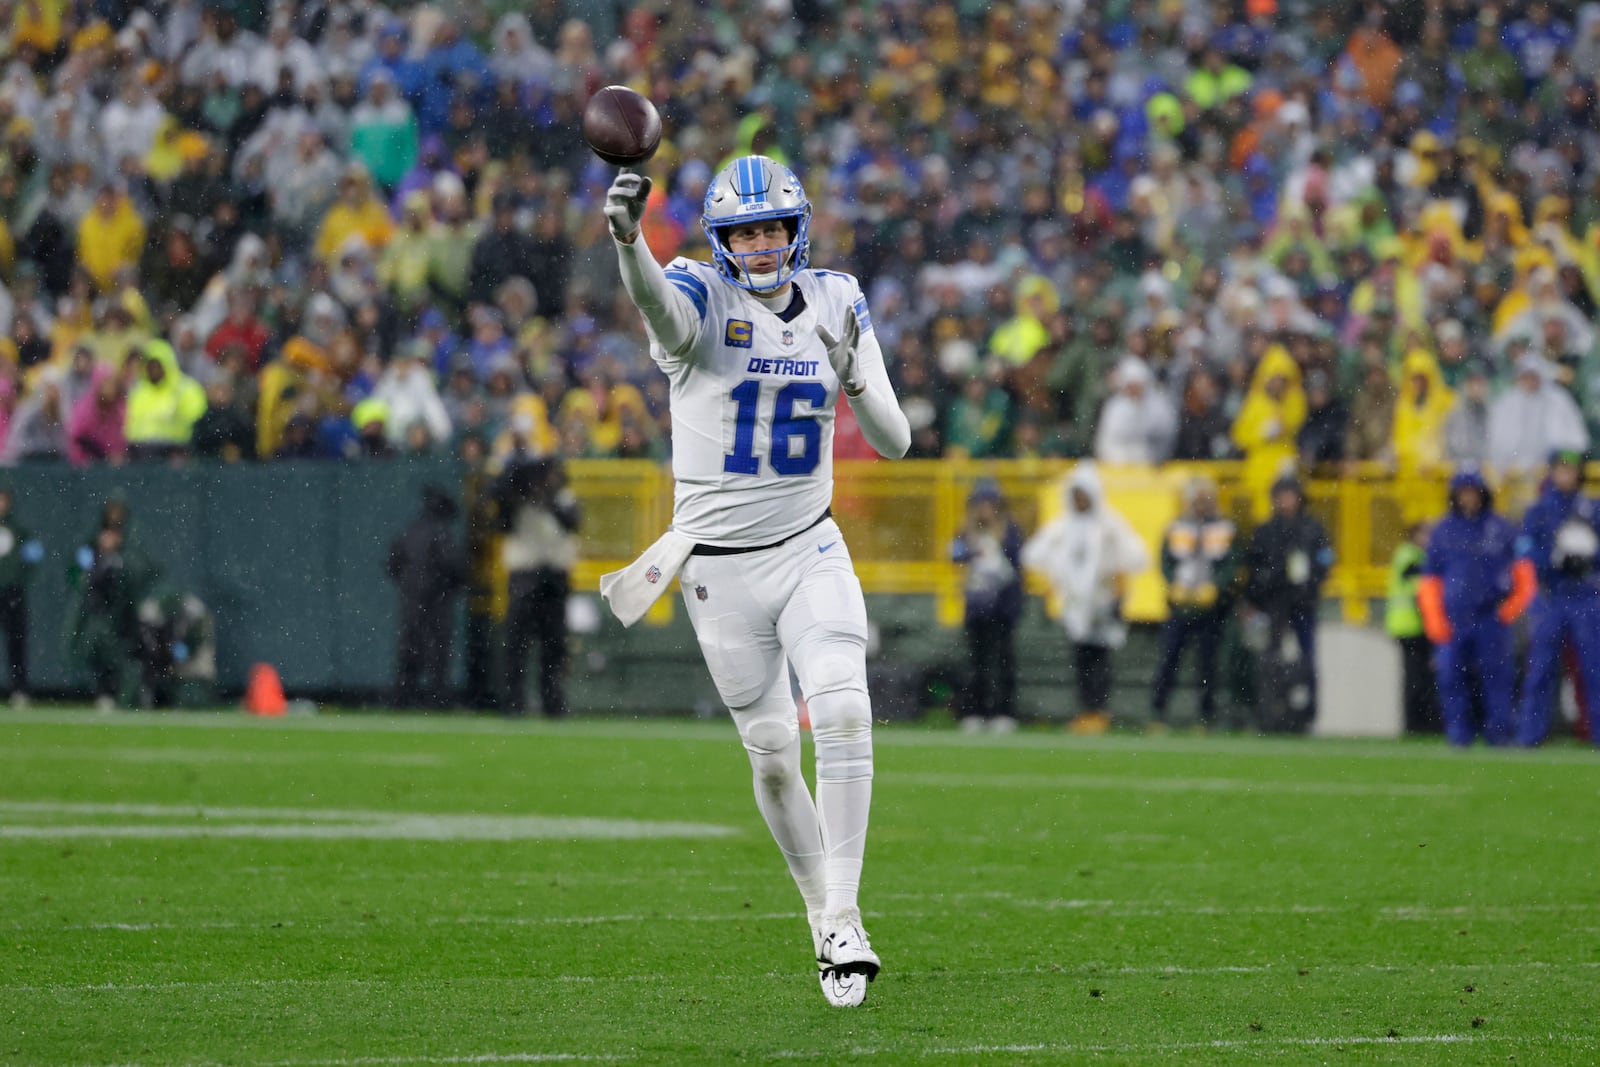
1420,686
1094,676
423,677
1204,628
538,612
14,622
992,691
480,657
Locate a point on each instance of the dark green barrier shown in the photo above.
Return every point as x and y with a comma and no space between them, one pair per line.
289,558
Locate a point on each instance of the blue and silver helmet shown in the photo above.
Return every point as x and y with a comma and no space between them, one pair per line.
751,189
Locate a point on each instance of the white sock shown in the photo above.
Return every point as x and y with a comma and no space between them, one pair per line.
843,808
785,804
841,726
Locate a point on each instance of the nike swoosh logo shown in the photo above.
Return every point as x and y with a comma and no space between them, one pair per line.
824,548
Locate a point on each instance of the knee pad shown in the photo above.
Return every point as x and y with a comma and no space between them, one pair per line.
770,731
768,735
841,725
831,663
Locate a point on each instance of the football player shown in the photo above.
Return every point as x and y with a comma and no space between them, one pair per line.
758,347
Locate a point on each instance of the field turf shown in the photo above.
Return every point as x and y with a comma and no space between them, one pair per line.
363,890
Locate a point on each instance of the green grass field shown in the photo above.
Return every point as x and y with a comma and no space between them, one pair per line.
356,890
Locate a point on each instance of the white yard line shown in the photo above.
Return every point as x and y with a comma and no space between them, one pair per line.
1124,1048
1065,1048
964,974
214,821
92,754
1132,784
1102,908
720,729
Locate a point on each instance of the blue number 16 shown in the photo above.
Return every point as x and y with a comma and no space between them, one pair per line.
786,426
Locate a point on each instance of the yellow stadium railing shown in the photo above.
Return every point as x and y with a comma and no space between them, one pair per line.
899,518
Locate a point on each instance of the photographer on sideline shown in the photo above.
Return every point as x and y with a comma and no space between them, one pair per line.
539,517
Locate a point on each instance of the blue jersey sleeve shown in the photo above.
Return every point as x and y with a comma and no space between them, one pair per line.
690,285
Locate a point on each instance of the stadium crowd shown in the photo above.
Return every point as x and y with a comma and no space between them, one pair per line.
1148,230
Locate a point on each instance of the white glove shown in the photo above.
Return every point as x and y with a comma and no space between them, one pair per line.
842,353
625,202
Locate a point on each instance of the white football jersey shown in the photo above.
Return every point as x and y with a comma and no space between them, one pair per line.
752,407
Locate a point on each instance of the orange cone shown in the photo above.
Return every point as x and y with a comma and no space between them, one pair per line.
805,714
264,694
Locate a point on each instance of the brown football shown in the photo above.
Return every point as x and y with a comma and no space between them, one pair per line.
622,126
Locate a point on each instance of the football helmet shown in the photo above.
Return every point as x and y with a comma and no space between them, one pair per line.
750,189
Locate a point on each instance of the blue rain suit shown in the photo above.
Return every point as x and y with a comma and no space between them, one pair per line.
1472,558
1561,538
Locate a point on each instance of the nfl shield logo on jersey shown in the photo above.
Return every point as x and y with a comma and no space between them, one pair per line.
699,592
788,337
653,575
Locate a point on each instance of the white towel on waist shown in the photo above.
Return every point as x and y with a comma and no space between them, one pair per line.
632,590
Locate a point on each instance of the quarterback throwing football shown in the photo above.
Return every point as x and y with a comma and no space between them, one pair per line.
758,348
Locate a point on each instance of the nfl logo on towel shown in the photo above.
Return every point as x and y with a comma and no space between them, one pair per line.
653,575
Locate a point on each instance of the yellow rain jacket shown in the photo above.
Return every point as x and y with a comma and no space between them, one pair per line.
370,220
163,412
1265,428
1019,339
1419,427
281,382
106,245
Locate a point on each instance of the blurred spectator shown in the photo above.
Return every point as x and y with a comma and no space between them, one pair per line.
1088,555
1468,603
242,327
172,268
39,428
383,131
1351,183
20,553
1466,428
1204,430
1137,424
162,407
539,517
1286,562
1265,428
356,213
225,432
1198,562
1533,419
112,576
371,421
979,418
1560,546
408,391
1370,435
503,252
989,548
1403,620
403,268
428,569
95,429
1420,416
1321,437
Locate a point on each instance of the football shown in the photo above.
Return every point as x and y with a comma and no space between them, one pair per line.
622,126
